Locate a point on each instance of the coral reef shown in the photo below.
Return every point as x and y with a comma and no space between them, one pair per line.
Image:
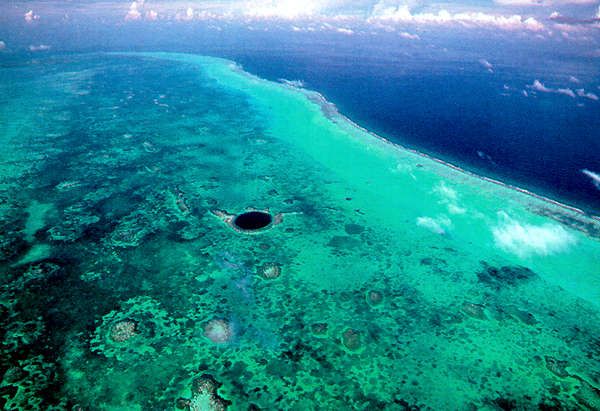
143,298
319,329
23,385
123,331
588,396
140,328
131,230
556,367
219,331
352,339
205,396
269,271
73,223
374,298
504,276
474,310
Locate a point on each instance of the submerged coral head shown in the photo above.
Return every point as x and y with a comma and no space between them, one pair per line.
352,339
123,330
218,331
374,297
270,271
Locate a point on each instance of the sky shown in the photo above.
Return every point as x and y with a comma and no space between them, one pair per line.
575,22
505,14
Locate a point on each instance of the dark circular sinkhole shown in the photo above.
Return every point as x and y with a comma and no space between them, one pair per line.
252,220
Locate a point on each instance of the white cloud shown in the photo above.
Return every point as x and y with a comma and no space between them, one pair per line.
447,193
456,209
574,79
519,2
594,176
187,16
449,197
567,28
402,14
151,15
532,24
525,239
566,92
2,45
134,12
537,85
41,47
438,225
345,31
30,16
286,9
487,65
582,93
542,2
409,36
137,11
207,15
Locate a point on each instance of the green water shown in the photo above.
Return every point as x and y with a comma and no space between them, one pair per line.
390,281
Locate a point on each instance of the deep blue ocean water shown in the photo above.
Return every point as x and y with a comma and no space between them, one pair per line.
459,112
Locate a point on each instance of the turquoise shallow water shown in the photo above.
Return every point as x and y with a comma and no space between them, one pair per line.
387,280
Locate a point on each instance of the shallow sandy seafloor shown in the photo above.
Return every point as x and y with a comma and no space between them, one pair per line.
391,282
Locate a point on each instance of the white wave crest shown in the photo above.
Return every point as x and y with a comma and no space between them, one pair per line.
293,83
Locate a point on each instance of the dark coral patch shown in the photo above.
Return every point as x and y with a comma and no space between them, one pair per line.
474,310
505,404
556,366
352,339
588,395
319,329
343,242
504,276
374,297
521,315
354,229
12,244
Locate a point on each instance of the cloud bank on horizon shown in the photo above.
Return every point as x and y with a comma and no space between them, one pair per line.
577,20
580,92
375,8
502,13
